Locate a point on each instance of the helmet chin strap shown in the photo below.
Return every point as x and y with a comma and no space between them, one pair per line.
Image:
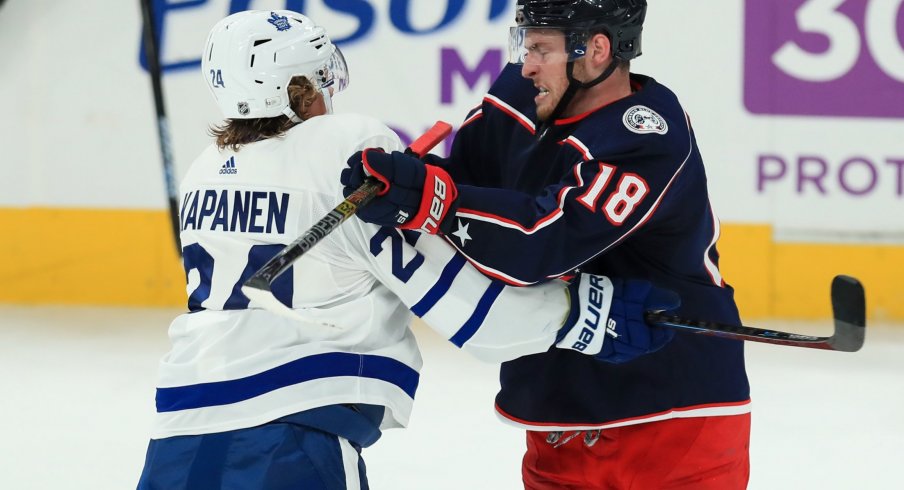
288,112
573,86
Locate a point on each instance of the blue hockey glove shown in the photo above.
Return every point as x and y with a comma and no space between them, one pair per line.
415,197
607,318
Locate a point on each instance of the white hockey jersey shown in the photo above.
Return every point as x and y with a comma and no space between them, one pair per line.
234,365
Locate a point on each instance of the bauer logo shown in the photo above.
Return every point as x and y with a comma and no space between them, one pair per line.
824,57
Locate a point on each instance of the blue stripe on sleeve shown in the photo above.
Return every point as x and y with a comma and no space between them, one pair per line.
471,326
305,369
441,287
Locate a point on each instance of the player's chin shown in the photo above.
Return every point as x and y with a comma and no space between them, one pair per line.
546,105
543,112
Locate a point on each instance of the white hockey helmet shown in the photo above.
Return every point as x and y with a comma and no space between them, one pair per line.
251,56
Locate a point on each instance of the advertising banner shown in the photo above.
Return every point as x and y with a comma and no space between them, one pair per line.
798,107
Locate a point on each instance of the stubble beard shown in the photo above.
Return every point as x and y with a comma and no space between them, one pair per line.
545,108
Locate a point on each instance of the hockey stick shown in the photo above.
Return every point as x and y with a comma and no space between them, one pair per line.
848,309
152,54
257,287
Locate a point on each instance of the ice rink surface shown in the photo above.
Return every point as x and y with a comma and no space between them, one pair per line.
78,400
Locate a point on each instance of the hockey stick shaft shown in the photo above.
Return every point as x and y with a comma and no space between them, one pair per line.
736,332
152,55
849,312
265,276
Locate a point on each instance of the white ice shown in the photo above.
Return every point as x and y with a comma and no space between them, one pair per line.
77,401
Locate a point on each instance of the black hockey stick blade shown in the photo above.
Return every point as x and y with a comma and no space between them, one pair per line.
257,287
849,311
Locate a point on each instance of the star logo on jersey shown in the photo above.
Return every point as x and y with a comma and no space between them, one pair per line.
462,233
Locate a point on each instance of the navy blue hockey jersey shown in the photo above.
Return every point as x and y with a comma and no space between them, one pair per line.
620,191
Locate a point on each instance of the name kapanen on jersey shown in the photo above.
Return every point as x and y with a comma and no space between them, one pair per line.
235,211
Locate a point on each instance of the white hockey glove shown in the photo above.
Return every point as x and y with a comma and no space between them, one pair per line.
607,318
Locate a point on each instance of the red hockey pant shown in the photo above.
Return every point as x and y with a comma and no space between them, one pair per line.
702,453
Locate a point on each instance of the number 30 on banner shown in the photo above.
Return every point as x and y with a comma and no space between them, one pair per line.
880,30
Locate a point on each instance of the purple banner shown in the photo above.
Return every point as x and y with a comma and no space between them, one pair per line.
824,57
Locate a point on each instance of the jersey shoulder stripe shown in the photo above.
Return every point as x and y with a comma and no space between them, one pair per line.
472,117
511,111
579,146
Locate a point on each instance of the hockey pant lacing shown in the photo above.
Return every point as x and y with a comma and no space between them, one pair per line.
557,439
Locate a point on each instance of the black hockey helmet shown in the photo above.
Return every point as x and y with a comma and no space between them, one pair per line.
621,20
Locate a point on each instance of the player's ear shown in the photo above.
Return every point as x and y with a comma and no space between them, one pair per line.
599,50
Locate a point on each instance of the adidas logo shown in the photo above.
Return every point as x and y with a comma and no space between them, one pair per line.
228,168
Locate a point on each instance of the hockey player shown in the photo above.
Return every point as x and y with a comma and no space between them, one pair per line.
572,161
253,400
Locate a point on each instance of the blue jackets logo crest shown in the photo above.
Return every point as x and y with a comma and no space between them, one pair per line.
642,120
280,21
